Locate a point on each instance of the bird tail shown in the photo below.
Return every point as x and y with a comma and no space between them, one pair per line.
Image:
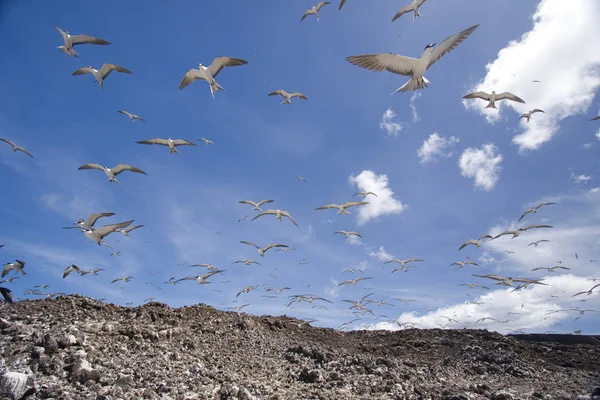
214,87
115,180
413,84
70,51
491,105
174,149
286,101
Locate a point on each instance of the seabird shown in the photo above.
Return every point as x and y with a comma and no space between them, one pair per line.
279,214
347,233
89,223
168,142
288,96
206,141
6,293
209,74
247,289
349,282
70,269
403,262
364,194
10,280
301,179
477,243
588,292
517,232
262,251
315,10
408,66
413,6
16,266
256,205
534,209
102,73
528,115
125,231
16,148
97,235
243,218
73,40
474,285
132,117
536,243
124,279
342,207
461,264
550,269
247,262
278,291
201,279
309,298
112,172
204,265
492,98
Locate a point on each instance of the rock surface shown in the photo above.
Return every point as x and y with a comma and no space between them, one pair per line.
74,348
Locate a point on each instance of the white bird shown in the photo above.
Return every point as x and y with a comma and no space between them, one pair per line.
315,10
301,179
89,223
588,292
247,262
461,264
288,96
131,116
201,279
97,235
243,218
408,66
342,207
474,285
125,231
102,73
493,97
16,148
477,243
347,233
534,209
209,73
536,243
168,142
16,266
279,214
413,6
73,40
70,269
112,172
550,269
364,194
256,205
403,262
528,114
517,232
262,251
247,289
124,279
206,141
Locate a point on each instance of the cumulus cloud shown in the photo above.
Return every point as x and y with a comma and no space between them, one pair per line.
388,123
413,108
580,178
568,82
382,204
380,254
436,145
482,164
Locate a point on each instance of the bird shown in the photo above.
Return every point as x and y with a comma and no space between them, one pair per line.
349,282
124,279
413,6
6,294
89,223
492,98
243,218
278,291
102,73
256,205
16,266
262,251
315,10
16,148
206,141
10,280
70,269
474,285
517,232
551,269
168,142
247,289
536,243
97,235
247,262
528,114
201,279
279,214
309,298
73,40
408,66
125,231
112,172
238,308
301,179
534,209
131,116
347,233
209,73
461,264
93,271
588,292
403,262
288,96
342,207
504,281
364,194
477,243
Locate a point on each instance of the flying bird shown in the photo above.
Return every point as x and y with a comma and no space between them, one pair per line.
262,251
247,262
279,214
403,262
301,179
89,223
125,231
209,73
73,40
6,294
16,148
413,6
474,285
534,209
247,289
461,264
98,235
131,116
364,194
528,114
172,144
243,218
342,207
201,279
477,243
16,266
517,232
347,233
315,10
102,73
550,269
256,205
349,282
70,269
493,98
588,292
408,66
124,279
206,141
288,96
112,172
536,243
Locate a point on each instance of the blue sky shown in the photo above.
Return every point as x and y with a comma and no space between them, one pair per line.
446,169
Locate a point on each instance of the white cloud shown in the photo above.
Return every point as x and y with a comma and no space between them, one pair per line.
581,178
486,259
354,240
568,82
382,204
594,190
333,290
436,145
482,164
387,123
380,254
598,134
413,108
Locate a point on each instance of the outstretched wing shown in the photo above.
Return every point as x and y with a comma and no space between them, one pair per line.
91,166
391,62
221,62
126,167
450,44
189,77
160,141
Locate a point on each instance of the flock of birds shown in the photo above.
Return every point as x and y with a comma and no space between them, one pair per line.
395,63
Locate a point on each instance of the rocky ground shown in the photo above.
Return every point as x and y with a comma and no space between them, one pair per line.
75,348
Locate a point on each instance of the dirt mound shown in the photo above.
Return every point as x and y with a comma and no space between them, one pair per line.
76,348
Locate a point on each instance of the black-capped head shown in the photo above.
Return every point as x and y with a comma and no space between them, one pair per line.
429,46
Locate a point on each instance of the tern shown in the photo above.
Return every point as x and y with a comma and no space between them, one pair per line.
413,6
6,294
247,289
588,292
347,233
493,98
16,266
349,282
89,223
168,142
70,269
528,115
403,262
247,262
256,205
201,279
477,243
131,116
279,214
243,218
342,207
112,172
309,298
73,40
10,280
102,73
288,96
125,231
238,308
474,285
97,235
550,269
536,243
262,251
364,194
461,264
124,279
301,179
15,147
209,73
517,232
315,10
206,141
534,209
278,291
408,66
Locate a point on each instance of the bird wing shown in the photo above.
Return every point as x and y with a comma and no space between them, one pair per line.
209,274
543,204
249,243
163,142
537,110
488,276
260,203
321,4
124,112
267,247
6,294
391,62
9,142
83,71
504,233
354,203
342,4
265,212
133,227
538,268
24,151
537,226
450,44
524,214
279,92
83,39
106,229
509,96
190,76
325,207
287,214
126,167
182,142
595,118
299,95
108,68
468,242
403,11
221,62
248,202
306,14
477,95
91,166
95,217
